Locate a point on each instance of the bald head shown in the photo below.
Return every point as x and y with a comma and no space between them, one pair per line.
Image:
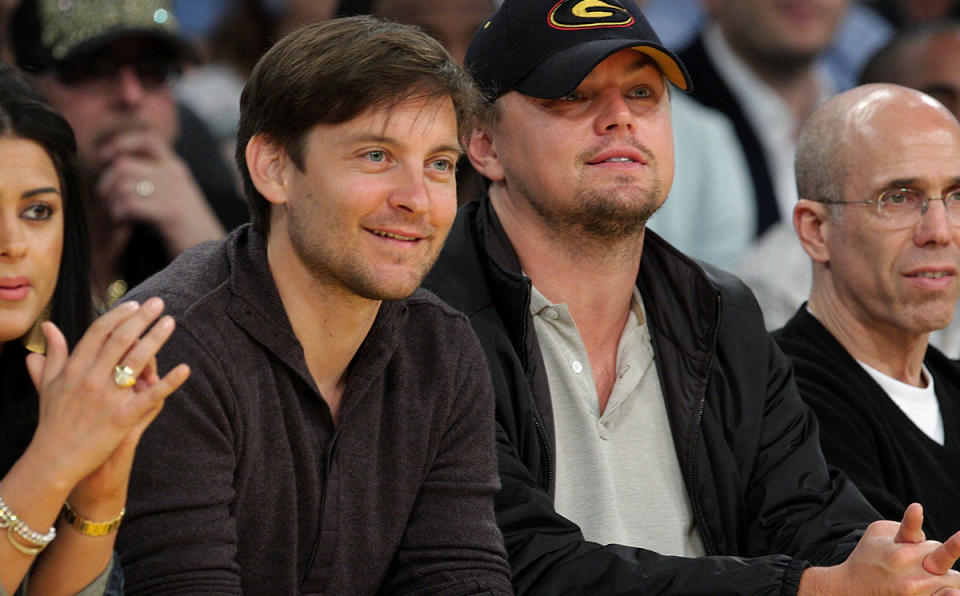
861,122
890,275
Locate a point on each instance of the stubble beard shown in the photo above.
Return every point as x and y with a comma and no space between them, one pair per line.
336,267
600,217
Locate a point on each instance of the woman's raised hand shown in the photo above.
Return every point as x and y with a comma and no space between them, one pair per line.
91,416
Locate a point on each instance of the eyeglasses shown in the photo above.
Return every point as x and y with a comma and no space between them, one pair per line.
153,69
904,207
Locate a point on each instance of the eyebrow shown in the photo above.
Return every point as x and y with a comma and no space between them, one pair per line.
380,139
39,191
908,182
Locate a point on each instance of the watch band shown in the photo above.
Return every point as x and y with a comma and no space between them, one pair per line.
90,528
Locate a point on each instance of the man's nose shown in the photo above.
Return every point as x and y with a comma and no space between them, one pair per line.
129,87
613,112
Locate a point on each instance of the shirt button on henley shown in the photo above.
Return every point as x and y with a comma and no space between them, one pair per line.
602,431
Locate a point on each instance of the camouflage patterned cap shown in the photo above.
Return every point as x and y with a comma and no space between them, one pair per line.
46,32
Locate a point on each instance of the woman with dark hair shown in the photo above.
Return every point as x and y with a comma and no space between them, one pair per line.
74,408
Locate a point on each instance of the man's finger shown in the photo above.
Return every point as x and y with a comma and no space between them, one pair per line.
941,560
911,528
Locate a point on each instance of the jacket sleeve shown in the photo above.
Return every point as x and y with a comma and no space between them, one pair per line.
794,502
451,544
179,536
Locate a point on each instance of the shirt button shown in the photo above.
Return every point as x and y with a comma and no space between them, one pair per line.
553,315
602,431
577,367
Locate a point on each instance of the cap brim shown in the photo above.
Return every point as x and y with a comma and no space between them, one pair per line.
561,73
178,46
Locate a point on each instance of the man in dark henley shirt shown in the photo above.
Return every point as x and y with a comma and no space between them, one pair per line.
337,433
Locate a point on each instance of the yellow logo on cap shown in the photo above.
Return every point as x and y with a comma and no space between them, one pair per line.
588,14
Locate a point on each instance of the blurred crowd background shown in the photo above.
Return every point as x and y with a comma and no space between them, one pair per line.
759,69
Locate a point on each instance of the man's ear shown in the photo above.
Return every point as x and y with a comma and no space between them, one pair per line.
267,162
483,154
812,223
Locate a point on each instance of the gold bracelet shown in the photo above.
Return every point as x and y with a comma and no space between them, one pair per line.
30,551
19,533
91,528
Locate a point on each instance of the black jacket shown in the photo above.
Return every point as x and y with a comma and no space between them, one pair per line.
746,444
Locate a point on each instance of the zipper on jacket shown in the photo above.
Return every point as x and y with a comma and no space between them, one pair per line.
544,444
545,447
527,298
691,456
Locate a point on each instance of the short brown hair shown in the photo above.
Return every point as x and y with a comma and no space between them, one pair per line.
333,71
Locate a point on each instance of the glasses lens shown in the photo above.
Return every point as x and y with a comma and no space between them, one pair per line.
153,69
901,205
83,72
951,203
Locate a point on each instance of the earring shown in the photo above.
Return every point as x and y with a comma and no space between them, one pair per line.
34,340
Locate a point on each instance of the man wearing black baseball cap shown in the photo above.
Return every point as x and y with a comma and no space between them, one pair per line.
651,438
159,183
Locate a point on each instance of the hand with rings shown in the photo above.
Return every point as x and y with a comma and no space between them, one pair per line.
96,402
143,180
144,188
123,376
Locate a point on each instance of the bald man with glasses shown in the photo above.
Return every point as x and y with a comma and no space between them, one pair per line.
878,170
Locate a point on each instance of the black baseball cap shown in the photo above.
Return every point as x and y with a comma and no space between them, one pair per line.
545,48
45,33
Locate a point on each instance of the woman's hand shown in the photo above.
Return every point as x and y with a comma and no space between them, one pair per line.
88,424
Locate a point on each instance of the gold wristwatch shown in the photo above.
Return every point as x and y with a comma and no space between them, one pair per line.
91,528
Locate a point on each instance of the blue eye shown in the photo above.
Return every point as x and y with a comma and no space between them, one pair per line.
38,212
442,165
641,92
376,155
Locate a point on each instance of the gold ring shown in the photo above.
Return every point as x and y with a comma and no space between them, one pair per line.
123,376
144,188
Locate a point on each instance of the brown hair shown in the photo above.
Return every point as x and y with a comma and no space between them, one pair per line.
333,71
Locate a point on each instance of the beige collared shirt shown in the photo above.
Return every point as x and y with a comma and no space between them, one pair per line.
618,476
